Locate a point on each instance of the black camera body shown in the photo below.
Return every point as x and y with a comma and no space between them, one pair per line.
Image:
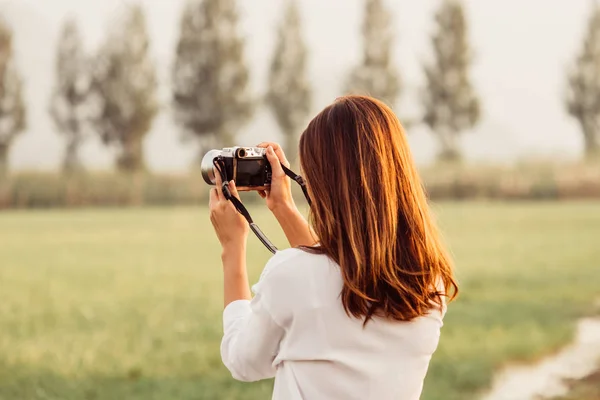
248,167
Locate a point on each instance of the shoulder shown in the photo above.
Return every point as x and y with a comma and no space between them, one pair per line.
291,262
291,270
294,279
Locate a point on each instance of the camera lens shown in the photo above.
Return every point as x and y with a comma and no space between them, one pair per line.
242,153
207,166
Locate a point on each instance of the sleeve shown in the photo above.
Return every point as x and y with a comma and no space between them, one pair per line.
251,335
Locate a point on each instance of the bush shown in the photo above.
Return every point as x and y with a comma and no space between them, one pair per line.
40,190
535,181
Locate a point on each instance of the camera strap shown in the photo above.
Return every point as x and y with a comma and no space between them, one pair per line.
299,180
239,206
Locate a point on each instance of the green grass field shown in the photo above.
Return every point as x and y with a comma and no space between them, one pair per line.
126,304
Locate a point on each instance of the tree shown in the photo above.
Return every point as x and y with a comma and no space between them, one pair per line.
450,102
210,77
12,108
376,76
69,102
124,89
289,95
583,94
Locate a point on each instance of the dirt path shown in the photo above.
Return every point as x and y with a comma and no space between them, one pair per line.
585,389
546,379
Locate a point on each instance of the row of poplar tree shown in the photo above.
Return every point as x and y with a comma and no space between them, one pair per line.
113,93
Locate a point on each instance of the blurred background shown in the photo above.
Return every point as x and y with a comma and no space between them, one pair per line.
109,271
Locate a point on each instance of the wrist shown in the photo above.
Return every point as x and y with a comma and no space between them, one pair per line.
233,250
284,210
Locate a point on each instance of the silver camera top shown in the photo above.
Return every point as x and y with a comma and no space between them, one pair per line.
243,152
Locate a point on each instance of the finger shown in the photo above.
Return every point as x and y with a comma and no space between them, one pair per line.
275,164
219,184
280,154
233,190
278,151
262,194
213,198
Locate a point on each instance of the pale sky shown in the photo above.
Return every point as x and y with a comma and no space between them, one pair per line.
522,50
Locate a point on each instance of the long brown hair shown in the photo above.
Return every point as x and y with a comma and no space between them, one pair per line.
370,213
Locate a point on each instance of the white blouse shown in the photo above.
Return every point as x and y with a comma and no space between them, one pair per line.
296,330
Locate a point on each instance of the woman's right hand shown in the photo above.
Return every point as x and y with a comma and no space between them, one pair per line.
279,195
280,201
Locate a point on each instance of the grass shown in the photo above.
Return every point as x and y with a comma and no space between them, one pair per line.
126,304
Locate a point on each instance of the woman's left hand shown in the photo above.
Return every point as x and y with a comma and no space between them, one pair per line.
231,228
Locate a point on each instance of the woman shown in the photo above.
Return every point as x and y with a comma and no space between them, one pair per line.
354,309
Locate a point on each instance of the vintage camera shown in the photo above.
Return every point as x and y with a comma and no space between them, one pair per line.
248,167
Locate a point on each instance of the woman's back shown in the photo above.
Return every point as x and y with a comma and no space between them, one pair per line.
354,310
322,353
